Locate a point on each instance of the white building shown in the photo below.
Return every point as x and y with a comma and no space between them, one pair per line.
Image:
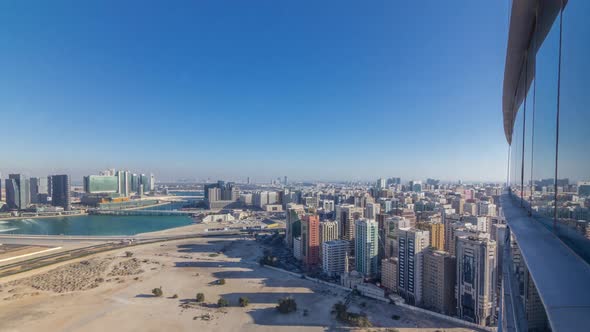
365,246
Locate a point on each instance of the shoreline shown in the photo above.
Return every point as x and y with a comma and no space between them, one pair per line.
78,214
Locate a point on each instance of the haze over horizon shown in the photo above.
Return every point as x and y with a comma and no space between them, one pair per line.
215,89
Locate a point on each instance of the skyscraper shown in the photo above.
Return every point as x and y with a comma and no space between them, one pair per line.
293,223
334,257
438,281
476,263
411,243
60,193
124,183
437,235
310,237
328,231
17,192
345,216
365,246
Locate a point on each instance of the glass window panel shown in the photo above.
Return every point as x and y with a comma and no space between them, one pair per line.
574,122
543,146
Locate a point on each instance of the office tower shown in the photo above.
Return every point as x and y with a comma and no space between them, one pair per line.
49,186
438,281
334,255
293,223
285,182
365,246
328,231
248,180
381,183
372,210
389,273
437,235
416,186
310,237
123,183
0,186
476,262
34,190
345,216
99,184
152,182
135,183
60,192
411,243
145,183
17,191
584,188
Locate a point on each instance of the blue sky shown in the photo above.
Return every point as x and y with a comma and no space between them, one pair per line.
206,89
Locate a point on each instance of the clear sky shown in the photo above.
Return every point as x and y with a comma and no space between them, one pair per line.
205,89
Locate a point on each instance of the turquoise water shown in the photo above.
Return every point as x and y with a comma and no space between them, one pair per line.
93,225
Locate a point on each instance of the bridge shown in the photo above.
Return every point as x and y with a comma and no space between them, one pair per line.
142,213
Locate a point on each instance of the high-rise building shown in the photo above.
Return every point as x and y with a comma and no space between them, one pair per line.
345,216
476,263
328,231
17,192
310,240
334,257
99,184
437,235
411,243
389,273
438,281
293,223
381,183
372,210
365,246
123,183
60,192
34,190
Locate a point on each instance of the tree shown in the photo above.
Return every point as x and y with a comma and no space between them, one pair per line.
222,302
200,297
221,282
244,301
287,305
340,309
157,291
128,254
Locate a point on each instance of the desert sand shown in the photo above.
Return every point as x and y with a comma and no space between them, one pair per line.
113,292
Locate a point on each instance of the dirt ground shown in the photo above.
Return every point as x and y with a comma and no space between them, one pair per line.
113,292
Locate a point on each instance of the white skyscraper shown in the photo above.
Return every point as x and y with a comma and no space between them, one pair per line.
365,246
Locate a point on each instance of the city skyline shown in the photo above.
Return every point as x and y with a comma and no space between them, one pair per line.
284,89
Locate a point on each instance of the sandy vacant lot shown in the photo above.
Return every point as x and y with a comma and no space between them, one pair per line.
111,292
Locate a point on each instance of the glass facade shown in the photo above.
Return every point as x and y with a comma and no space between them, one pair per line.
94,184
549,165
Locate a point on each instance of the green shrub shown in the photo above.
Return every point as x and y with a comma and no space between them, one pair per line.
222,302
244,301
157,291
200,297
287,305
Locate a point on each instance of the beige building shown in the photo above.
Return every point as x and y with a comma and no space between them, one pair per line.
438,282
328,231
437,235
389,274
